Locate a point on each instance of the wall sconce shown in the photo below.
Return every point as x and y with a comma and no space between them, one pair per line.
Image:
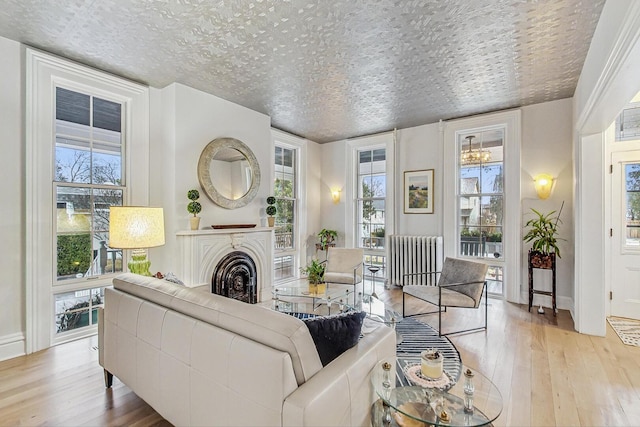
543,184
335,195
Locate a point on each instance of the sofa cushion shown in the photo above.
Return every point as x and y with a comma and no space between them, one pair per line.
333,335
257,323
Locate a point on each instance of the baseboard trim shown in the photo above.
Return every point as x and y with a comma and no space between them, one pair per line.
12,345
562,302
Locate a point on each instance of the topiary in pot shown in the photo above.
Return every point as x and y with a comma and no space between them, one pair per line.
271,210
194,207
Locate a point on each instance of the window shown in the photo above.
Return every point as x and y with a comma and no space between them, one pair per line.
285,190
628,122
480,198
77,309
87,180
632,217
371,202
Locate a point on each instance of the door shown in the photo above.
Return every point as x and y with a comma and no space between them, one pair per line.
625,238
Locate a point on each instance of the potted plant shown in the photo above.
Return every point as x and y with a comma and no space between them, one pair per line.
327,237
543,231
271,210
315,274
194,207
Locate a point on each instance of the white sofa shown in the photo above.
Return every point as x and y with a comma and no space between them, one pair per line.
203,359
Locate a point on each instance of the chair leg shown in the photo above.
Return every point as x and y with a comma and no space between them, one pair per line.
403,305
486,306
486,315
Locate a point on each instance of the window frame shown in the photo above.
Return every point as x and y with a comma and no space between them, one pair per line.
512,248
43,73
299,146
353,147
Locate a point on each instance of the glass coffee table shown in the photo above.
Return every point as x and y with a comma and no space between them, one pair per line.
318,300
417,405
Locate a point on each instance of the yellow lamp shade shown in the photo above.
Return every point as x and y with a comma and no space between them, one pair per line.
543,184
135,227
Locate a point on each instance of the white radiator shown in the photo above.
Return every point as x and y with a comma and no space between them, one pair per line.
411,255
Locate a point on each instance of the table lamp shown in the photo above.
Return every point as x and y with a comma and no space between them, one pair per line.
137,228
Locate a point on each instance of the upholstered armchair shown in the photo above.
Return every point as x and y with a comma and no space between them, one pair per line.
461,283
344,266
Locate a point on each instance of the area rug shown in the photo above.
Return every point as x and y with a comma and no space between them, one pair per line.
627,329
416,337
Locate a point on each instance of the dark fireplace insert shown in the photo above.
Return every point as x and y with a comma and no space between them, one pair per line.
235,277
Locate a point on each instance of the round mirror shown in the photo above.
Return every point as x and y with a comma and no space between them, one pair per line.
228,172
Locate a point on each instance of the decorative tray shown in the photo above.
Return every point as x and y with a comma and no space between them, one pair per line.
414,375
224,226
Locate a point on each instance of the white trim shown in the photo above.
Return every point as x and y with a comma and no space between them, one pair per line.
12,345
380,140
511,120
300,145
621,60
43,72
562,302
607,83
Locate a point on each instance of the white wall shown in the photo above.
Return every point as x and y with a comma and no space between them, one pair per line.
189,120
334,175
12,165
547,148
419,148
315,198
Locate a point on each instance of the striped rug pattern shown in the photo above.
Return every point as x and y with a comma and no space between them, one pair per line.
416,337
627,329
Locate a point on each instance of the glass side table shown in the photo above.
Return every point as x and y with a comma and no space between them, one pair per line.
432,406
311,299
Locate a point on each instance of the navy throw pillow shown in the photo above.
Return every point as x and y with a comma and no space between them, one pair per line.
333,335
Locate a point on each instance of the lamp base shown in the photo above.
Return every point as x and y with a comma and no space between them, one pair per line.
139,264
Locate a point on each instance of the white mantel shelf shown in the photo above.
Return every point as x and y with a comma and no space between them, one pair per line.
205,232
201,250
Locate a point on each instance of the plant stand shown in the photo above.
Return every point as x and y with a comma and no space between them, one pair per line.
543,262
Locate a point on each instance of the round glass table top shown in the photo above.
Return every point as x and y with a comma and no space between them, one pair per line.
433,406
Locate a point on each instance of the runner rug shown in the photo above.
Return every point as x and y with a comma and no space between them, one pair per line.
627,329
418,336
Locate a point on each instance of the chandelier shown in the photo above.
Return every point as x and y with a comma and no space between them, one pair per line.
476,156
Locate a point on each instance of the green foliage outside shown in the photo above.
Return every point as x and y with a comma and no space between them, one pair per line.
488,237
74,254
284,208
378,232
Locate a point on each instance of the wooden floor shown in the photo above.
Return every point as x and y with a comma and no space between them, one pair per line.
547,373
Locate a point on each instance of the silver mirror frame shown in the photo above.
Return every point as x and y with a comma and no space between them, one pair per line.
204,174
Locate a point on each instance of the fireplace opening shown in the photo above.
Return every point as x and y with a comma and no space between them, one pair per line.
235,277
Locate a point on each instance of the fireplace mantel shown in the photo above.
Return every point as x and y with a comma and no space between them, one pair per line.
201,250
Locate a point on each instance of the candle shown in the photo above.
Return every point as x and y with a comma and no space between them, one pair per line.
431,366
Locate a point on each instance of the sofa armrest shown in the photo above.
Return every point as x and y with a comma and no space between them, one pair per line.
341,393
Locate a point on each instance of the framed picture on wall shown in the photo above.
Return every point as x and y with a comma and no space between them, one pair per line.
418,192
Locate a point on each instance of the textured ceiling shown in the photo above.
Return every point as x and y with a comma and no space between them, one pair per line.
328,70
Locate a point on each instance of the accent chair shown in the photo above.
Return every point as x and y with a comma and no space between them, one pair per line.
344,266
461,283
